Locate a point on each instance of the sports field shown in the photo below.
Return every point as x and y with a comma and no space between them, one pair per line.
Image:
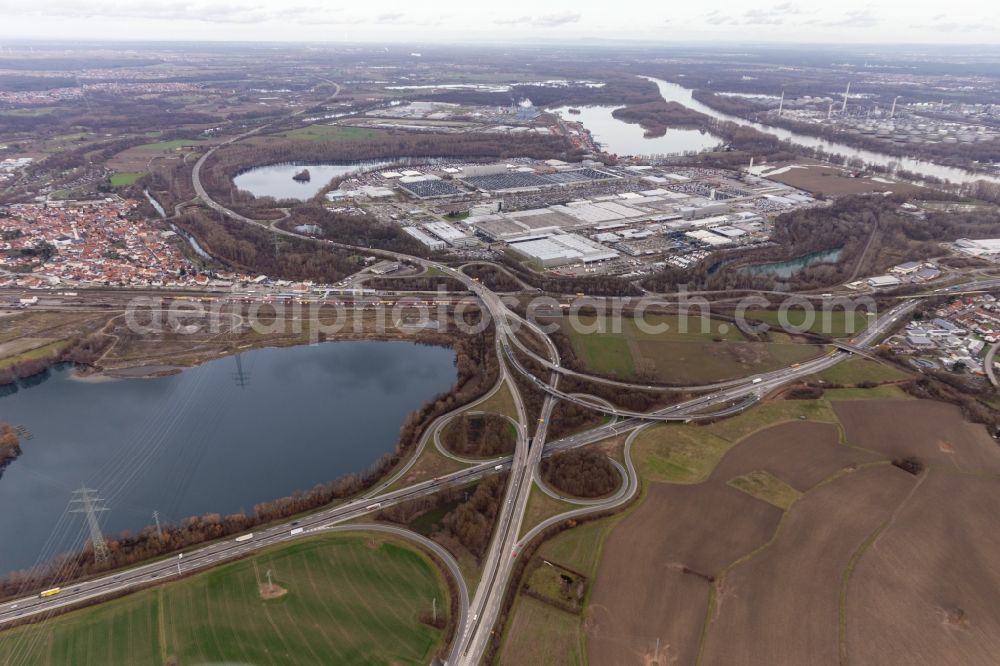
679,350
350,599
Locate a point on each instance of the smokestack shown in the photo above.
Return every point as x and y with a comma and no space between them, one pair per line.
781,104
829,113
847,93
892,112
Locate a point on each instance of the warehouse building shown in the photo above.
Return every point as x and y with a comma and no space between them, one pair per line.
429,242
450,234
563,249
978,247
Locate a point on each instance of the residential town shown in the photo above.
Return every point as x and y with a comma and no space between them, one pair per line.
954,337
100,242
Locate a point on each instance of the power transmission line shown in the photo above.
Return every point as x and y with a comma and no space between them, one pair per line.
241,377
90,505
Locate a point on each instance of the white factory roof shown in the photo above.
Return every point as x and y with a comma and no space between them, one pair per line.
884,281
709,221
411,172
570,247
708,237
423,238
445,231
979,246
390,174
419,178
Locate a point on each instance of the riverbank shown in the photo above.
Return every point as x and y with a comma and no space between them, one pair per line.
673,92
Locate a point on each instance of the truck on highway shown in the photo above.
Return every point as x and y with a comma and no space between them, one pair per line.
498,467
372,507
297,530
51,592
758,380
245,537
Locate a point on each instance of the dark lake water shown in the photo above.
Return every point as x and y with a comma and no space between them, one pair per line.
199,442
276,180
622,138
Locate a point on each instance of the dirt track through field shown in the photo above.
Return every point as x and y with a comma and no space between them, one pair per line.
642,593
781,606
927,592
872,565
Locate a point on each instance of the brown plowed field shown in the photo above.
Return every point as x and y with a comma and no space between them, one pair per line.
641,594
933,431
801,454
781,605
927,592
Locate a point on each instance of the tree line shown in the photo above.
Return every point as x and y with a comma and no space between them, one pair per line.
492,277
581,473
10,446
479,435
468,522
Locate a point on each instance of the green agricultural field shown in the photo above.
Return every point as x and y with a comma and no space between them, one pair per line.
859,370
766,487
167,146
50,349
678,350
332,133
835,323
539,633
687,453
125,178
678,453
501,402
347,602
606,354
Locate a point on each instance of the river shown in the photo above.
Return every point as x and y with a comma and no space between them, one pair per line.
220,437
622,138
673,92
198,249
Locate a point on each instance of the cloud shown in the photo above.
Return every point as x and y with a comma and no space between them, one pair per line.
764,17
513,20
718,18
211,12
941,22
390,18
859,18
544,21
556,20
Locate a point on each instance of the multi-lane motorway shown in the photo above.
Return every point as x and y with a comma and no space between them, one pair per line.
474,630
475,625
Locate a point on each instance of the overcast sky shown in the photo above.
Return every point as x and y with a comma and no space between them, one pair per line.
896,21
